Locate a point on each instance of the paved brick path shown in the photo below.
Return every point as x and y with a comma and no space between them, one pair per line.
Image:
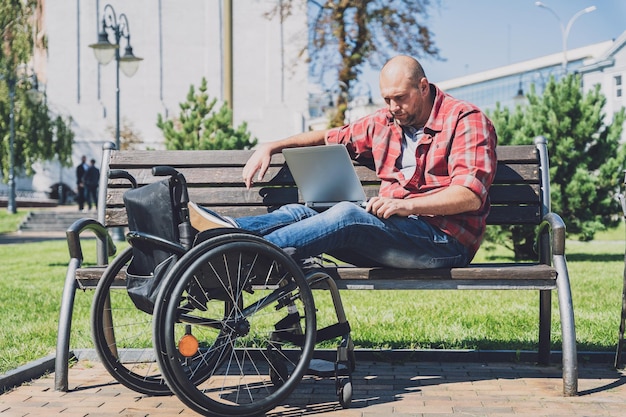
380,390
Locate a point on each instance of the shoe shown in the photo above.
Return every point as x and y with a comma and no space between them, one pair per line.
202,218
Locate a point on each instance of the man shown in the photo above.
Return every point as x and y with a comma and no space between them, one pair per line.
91,180
436,159
80,186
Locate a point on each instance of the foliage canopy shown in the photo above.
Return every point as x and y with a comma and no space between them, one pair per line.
200,126
586,156
39,135
346,34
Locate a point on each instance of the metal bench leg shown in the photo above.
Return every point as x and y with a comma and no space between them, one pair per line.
622,322
65,325
545,326
622,325
568,330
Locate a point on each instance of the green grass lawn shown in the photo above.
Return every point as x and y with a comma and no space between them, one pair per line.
33,274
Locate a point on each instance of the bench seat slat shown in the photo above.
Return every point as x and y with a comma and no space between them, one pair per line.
147,158
445,284
116,216
499,194
230,176
516,153
476,276
474,271
514,214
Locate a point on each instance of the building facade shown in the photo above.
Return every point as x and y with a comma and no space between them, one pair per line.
180,43
602,63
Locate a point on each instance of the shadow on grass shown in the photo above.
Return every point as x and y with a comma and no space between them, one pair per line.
595,257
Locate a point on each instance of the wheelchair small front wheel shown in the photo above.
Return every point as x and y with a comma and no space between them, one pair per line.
345,393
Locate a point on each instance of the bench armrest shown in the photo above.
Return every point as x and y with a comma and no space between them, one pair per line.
557,227
81,225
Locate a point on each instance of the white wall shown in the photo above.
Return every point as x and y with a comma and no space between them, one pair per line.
606,78
180,42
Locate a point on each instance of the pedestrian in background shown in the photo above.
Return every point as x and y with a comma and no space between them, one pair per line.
90,179
81,169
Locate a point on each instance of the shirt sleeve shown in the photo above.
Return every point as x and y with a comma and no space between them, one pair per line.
362,135
472,162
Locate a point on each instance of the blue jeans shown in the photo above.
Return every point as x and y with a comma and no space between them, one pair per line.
351,234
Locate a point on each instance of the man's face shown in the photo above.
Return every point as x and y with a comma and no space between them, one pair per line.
409,104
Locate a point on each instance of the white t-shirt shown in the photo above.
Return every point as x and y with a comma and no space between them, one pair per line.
410,139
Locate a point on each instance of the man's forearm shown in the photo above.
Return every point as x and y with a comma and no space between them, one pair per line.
451,200
312,138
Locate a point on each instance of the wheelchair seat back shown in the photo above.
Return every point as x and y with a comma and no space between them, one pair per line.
154,212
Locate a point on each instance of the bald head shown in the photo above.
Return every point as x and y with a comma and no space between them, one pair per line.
406,91
403,66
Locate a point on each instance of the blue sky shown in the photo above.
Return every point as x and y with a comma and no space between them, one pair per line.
478,35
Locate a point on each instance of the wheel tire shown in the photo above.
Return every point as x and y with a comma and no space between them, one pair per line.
132,334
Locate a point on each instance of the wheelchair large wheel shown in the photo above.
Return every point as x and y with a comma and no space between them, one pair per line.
122,334
238,310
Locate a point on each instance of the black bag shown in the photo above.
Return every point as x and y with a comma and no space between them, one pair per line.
153,209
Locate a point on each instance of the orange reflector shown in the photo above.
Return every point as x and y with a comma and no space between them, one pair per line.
188,345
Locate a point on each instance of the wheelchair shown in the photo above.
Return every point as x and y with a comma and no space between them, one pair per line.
223,319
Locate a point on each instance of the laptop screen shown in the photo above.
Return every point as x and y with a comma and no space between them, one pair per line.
324,175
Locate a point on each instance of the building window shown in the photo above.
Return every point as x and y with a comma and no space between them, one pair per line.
618,86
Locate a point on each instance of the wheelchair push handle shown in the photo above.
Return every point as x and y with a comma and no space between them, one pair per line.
164,171
184,228
121,174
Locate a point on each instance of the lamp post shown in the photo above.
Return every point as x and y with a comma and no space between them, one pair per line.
105,51
520,97
565,29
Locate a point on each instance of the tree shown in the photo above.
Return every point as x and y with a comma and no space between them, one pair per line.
129,137
586,156
39,135
199,126
346,34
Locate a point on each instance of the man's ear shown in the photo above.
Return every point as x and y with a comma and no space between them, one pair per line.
424,86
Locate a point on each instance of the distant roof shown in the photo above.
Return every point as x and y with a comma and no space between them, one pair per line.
592,52
606,59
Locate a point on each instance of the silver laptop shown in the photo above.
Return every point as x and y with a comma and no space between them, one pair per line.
324,175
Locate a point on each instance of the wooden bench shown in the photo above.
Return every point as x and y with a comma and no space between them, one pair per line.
520,195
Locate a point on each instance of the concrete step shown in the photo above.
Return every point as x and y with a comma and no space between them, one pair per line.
53,220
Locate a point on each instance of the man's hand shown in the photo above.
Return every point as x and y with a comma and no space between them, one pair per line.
386,207
261,158
454,199
258,162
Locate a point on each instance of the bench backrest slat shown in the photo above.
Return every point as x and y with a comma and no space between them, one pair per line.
214,179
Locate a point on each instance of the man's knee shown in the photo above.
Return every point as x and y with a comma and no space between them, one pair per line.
346,209
297,211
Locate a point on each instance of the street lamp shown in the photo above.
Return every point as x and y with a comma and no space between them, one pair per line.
105,51
520,97
565,29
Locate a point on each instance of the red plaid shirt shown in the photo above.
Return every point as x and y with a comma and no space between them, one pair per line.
458,148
